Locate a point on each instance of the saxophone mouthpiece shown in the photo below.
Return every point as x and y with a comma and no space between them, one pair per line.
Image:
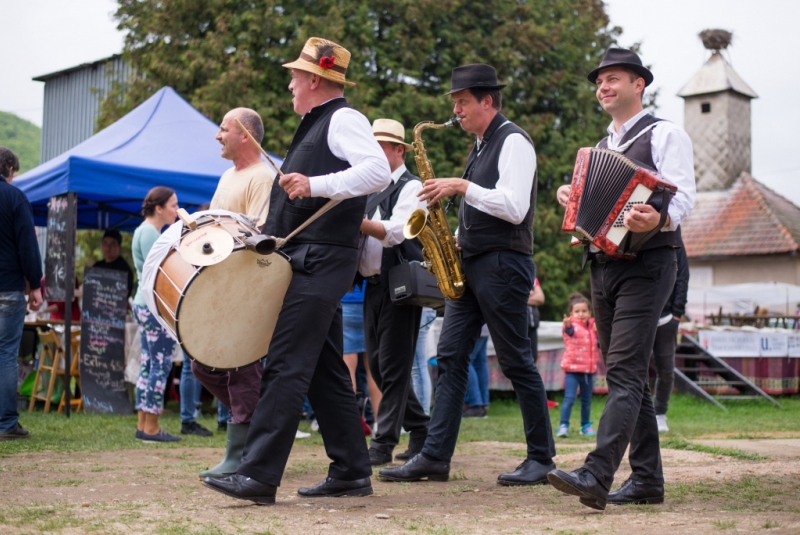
452,122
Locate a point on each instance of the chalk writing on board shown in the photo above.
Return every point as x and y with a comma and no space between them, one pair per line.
105,297
55,261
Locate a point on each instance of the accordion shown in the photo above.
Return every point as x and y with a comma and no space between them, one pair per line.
606,185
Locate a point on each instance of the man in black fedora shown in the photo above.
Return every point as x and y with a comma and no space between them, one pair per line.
628,296
495,234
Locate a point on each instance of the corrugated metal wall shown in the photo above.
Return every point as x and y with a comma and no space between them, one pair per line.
72,101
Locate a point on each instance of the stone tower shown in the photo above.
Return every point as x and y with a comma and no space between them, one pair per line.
717,117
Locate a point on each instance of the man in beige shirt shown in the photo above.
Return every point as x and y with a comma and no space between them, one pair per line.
245,189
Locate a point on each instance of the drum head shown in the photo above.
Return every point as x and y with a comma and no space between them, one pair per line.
229,310
206,246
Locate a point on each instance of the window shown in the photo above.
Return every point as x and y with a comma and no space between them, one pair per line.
705,107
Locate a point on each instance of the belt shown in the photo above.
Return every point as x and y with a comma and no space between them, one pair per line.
374,279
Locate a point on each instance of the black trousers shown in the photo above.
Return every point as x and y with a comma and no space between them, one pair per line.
391,338
498,285
305,357
627,298
664,360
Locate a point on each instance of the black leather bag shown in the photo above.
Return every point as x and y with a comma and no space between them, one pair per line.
411,284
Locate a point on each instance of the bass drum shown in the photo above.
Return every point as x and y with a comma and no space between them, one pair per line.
223,314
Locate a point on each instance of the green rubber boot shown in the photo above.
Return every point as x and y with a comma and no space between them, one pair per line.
237,433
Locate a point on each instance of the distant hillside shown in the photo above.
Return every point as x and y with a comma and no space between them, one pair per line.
21,136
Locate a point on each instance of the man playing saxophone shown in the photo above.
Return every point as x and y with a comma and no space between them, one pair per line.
495,234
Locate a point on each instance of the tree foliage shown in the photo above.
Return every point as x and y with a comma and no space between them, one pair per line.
22,137
221,54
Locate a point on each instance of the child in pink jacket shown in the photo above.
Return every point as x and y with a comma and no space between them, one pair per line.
581,353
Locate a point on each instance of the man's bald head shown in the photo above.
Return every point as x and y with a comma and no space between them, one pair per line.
251,121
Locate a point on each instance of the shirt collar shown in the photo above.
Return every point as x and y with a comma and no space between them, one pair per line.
614,137
398,172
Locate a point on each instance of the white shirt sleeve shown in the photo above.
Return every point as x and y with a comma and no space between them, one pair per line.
350,138
672,153
407,202
511,197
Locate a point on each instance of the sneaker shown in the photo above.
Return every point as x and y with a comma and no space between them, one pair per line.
301,434
552,404
314,425
15,432
160,436
587,430
475,412
661,420
139,433
222,425
193,428
562,431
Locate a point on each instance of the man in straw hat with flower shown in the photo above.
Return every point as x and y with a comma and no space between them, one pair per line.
391,331
333,156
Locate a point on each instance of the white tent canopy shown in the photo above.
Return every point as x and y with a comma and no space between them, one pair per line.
777,297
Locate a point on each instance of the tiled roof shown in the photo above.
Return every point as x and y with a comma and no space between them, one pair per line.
716,75
747,219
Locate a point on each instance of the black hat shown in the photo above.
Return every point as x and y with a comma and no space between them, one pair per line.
113,233
623,58
475,76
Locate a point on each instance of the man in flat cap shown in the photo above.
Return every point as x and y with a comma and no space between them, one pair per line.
391,331
333,155
628,296
495,234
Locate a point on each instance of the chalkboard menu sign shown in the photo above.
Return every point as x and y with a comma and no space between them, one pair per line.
105,294
55,261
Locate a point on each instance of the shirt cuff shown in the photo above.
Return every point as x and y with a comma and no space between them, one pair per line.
317,185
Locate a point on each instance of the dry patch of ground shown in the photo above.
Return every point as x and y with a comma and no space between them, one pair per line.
157,491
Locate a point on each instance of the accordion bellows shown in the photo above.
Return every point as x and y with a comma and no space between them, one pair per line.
605,185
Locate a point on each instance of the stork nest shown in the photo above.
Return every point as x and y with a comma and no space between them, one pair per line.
716,39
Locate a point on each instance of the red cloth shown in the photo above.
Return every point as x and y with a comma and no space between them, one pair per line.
61,313
580,350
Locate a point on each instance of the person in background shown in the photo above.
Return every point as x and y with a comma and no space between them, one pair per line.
58,309
477,398
160,208
579,362
20,263
535,300
667,339
112,256
420,374
355,348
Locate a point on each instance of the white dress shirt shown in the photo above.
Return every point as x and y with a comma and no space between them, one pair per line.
672,153
369,263
511,197
350,138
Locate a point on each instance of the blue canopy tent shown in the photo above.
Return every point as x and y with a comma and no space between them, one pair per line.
162,142
102,182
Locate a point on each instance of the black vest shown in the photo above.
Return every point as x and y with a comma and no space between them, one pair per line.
478,231
310,155
405,251
641,153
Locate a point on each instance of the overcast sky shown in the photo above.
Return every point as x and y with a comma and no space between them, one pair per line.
44,36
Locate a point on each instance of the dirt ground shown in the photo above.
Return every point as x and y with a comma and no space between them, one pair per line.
157,490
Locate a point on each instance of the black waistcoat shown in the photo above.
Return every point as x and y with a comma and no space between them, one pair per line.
641,153
310,155
478,231
405,251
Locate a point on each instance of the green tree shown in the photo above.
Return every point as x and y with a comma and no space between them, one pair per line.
220,54
22,137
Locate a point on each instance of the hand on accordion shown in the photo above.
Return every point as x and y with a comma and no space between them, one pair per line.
563,194
642,218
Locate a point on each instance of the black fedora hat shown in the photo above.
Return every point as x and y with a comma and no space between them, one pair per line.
622,57
474,76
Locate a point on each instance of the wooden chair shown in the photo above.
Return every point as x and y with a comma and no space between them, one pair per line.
51,366
76,396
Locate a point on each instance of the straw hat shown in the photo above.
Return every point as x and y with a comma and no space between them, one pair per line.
324,58
391,131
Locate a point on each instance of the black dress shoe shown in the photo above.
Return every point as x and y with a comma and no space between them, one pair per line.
243,488
415,445
581,483
406,455
636,493
530,472
330,487
417,468
378,457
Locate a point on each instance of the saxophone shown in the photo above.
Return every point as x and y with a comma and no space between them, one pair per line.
432,230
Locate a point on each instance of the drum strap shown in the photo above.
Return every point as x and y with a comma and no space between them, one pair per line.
280,242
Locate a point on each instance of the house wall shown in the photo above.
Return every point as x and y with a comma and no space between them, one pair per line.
737,270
